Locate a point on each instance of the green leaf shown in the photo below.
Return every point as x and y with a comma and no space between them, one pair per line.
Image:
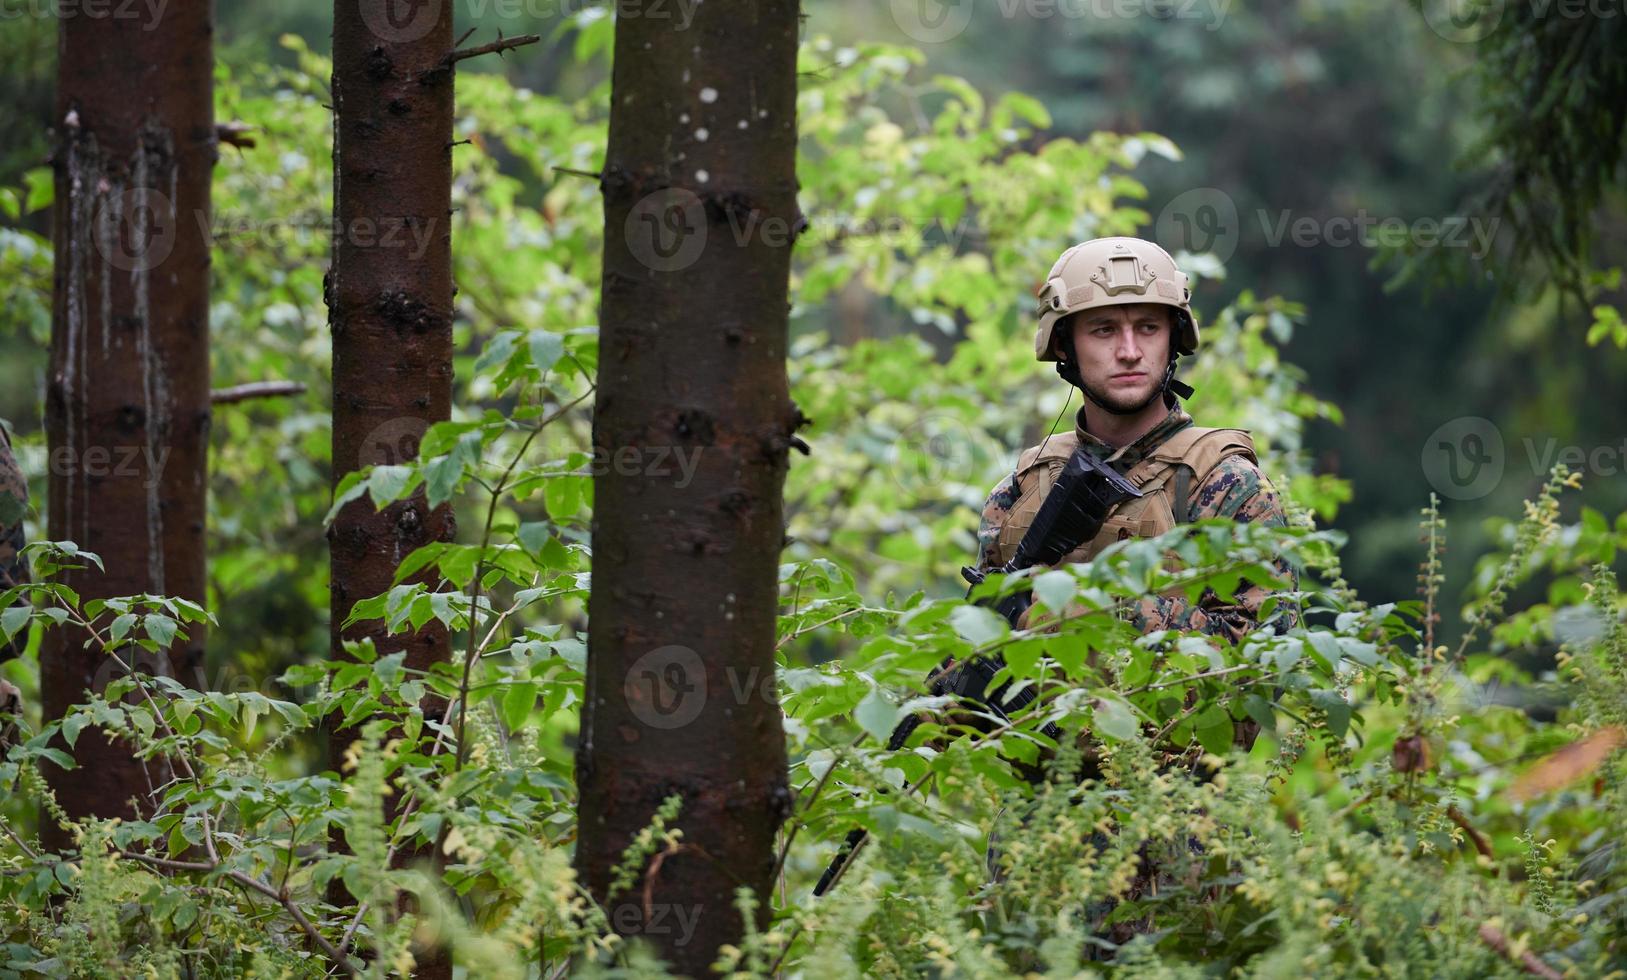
41,188
563,495
977,625
350,488
1115,718
876,715
518,702
1056,589
14,619
1139,670
533,535
387,484
441,476
72,725
497,351
1259,709
1214,729
160,628
546,349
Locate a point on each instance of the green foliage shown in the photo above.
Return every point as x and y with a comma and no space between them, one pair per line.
1331,798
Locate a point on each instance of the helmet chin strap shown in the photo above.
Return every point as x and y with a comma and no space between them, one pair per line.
1068,370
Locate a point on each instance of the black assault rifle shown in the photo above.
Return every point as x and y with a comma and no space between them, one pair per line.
1084,494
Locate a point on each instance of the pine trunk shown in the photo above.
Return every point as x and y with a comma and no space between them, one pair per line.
389,295
699,188
127,403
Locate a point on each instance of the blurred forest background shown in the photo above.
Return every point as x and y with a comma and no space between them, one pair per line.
1283,110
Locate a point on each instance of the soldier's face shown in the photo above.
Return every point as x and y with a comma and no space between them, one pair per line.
1123,351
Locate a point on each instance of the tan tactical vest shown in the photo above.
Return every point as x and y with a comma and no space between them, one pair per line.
1167,477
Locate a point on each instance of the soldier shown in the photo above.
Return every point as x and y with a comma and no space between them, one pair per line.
1115,316
13,568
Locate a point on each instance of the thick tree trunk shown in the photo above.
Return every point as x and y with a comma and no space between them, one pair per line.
127,405
389,295
700,212
389,292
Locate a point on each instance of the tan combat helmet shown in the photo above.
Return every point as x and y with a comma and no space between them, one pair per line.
1114,272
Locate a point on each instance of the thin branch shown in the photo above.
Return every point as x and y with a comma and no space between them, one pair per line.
254,390
579,173
1493,937
787,638
800,820
16,839
480,570
254,884
1481,844
235,134
498,46
1222,672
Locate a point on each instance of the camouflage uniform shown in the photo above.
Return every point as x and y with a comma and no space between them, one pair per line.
1235,488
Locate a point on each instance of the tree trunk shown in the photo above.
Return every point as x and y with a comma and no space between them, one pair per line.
389,295
700,213
127,406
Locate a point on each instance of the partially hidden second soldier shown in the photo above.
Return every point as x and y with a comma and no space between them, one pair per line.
13,569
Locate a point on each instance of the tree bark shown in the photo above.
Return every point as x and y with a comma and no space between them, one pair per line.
699,189
127,404
389,295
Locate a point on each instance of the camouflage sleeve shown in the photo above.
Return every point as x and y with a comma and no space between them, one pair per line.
1238,490
1001,499
13,508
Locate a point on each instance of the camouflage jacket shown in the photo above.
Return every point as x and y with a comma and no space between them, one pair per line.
1236,488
